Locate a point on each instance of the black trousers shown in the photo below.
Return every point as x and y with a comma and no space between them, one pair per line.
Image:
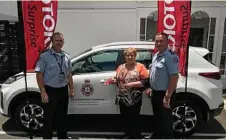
56,112
163,126
130,115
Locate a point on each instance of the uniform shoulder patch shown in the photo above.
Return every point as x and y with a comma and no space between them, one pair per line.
175,60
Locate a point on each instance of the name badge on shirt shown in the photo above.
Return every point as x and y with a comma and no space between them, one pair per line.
61,77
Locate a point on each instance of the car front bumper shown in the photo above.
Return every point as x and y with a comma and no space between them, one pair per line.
1,103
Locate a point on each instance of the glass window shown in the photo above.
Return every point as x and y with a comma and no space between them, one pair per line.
98,62
222,62
142,26
224,44
144,57
148,27
225,26
104,57
211,43
209,57
212,26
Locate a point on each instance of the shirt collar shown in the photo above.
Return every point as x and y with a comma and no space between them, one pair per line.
54,53
163,53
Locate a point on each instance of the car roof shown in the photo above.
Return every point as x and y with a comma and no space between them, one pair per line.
135,44
143,45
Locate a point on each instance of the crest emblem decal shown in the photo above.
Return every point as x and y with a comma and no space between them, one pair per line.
87,88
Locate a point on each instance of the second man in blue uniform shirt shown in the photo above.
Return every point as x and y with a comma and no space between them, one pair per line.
163,82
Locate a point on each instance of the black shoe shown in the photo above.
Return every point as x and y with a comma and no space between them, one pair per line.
148,136
126,137
68,138
75,137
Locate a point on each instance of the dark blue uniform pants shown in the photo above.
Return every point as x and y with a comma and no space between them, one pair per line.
163,127
56,111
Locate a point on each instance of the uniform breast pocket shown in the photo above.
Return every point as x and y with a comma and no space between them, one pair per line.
159,68
53,70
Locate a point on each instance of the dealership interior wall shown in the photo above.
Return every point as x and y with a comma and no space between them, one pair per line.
86,24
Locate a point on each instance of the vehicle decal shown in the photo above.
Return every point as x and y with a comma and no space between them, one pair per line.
87,88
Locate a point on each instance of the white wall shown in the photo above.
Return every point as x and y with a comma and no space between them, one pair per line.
8,10
85,28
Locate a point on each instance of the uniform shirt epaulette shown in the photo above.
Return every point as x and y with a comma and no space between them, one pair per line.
45,50
171,52
65,53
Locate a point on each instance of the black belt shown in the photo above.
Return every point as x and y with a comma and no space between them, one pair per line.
158,90
55,87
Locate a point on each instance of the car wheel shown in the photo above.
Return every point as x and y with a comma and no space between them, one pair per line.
30,115
186,118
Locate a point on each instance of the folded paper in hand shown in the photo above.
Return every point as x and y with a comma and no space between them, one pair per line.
109,81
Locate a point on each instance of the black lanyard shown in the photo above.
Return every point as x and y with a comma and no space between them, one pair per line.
60,64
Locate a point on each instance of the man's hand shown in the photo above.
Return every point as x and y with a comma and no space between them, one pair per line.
44,97
71,94
148,91
166,101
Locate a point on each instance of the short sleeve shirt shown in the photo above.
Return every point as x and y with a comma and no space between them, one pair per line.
48,65
163,66
131,96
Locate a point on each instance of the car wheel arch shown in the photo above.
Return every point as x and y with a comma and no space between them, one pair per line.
20,98
196,99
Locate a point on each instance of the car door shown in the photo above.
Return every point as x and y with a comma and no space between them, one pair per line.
89,75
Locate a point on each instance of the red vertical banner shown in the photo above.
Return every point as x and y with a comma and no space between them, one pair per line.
174,19
39,22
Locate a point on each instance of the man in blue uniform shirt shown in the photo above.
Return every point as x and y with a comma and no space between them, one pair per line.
163,82
54,73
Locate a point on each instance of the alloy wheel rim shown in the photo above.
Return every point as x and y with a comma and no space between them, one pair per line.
184,119
31,116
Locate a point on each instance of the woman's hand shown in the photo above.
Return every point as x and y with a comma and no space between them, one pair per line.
113,80
110,81
129,85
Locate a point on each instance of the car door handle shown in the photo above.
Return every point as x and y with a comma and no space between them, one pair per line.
102,81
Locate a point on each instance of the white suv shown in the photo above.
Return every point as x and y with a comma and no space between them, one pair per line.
92,67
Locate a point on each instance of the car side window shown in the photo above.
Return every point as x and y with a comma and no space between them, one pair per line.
144,57
97,62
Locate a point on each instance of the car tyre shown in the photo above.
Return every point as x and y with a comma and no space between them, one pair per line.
186,117
29,115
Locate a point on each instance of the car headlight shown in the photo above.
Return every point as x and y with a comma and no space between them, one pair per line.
13,79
